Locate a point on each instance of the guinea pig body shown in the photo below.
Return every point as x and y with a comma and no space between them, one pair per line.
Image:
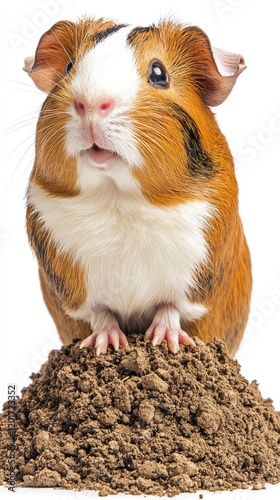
132,207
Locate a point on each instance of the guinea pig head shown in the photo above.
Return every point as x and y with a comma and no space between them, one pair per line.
129,103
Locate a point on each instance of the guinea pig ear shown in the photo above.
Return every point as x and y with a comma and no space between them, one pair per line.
216,70
228,67
54,51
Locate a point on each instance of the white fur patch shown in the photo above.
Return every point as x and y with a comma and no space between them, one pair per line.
135,255
107,71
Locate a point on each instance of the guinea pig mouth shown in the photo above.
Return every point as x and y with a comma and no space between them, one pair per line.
100,155
97,148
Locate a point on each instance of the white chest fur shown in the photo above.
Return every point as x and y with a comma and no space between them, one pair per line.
135,255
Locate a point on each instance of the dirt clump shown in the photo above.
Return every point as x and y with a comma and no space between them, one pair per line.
143,421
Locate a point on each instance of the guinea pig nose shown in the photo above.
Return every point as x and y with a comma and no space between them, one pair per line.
105,107
79,106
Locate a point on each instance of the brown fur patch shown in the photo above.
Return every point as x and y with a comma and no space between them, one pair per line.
226,291
68,328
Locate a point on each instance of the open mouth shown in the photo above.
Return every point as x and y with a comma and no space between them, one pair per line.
100,155
97,148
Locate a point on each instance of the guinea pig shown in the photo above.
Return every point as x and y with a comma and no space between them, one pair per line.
132,204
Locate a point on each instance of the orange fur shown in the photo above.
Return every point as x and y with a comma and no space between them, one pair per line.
224,286
68,328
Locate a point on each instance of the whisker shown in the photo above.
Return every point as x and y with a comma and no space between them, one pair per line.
55,84
28,167
17,126
16,168
59,140
33,91
23,90
151,138
63,47
29,119
17,147
50,147
8,80
52,112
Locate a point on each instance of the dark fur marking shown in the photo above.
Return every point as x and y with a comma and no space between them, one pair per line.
139,30
235,332
199,161
40,240
205,282
99,37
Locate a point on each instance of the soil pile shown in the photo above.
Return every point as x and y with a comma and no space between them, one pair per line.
143,420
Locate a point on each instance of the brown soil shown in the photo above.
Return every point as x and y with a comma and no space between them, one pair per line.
144,421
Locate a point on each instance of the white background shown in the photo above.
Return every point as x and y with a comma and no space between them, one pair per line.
250,119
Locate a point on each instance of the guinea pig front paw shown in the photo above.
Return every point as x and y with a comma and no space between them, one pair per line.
166,326
101,339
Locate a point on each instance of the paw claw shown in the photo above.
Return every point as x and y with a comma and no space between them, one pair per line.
110,336
173,341
155,334
101,344
88,341
174,336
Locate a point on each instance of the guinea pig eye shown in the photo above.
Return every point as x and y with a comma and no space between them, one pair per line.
157,75
69,66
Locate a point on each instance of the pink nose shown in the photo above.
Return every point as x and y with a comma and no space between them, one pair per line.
103,107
